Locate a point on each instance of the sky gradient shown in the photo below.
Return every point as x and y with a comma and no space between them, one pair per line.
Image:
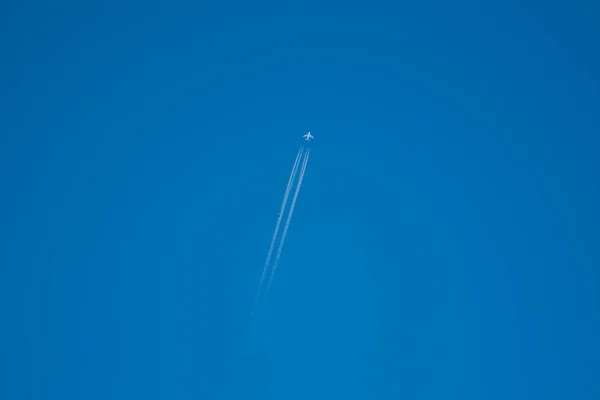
445,244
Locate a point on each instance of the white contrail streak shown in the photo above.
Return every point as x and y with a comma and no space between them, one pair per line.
283,204
287,222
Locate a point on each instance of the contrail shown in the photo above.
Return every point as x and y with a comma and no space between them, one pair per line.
287,222
283,204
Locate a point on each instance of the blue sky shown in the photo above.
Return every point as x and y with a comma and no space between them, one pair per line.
444,244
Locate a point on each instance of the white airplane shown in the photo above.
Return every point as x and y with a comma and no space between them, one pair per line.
308,136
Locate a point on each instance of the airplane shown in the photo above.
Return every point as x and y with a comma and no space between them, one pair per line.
308,136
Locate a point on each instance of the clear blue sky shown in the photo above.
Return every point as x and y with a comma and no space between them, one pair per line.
445,244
